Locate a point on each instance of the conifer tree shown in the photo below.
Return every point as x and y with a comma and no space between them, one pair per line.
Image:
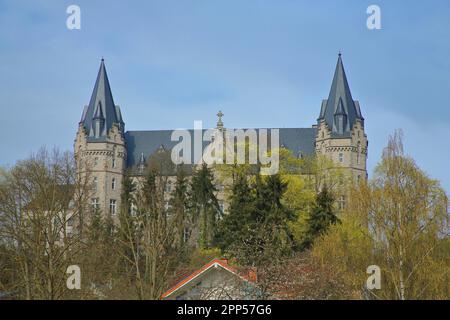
179,206
275,216
322,216
205,207
256,230
239,220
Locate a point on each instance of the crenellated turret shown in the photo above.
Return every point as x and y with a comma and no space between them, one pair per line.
340,128
100,147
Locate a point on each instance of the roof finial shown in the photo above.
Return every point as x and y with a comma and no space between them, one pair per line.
219,121
340,53
103,60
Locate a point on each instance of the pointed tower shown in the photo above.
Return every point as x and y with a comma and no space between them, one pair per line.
340,128
100,149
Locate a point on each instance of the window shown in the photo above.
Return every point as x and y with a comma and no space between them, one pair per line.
95,203
341,157
95,162
166,205
186,235
133,209
70,222
341,202
113,163
358,152
95,183
168,186
112,207
113,184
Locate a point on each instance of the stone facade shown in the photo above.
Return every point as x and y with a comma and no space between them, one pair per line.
102,142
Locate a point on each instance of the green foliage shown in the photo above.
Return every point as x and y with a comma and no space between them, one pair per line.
321,217
179,205
205,211
256,229
199,257
399,222
240,218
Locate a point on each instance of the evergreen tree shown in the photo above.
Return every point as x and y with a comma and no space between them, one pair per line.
256,230
179,206
205,210
239,220
274,237
321,217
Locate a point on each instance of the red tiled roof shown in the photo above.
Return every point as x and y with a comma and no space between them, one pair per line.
251,276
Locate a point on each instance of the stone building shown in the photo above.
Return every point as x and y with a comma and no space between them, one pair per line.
103,142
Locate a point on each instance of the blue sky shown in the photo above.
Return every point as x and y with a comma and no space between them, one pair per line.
263,63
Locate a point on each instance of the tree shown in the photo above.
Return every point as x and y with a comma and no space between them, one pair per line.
321,217
99,247
146,233
205,210
261,235
398,221
41,200
179,206
239,220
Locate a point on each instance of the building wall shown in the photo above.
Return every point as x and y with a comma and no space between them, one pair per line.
348,153
105,161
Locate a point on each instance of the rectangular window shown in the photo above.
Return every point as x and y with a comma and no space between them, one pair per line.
113,183
341,203
95,203
133,209
113,162
186,235
95,184
341,157
112,207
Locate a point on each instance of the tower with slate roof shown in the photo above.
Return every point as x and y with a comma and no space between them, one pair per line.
100,147
103,144
340,128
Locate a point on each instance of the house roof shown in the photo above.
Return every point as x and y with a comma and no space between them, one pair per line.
223,263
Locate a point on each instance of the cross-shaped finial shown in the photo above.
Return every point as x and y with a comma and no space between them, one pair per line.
219,122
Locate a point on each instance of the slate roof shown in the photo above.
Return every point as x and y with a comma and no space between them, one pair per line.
340,103
298,140
101,107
